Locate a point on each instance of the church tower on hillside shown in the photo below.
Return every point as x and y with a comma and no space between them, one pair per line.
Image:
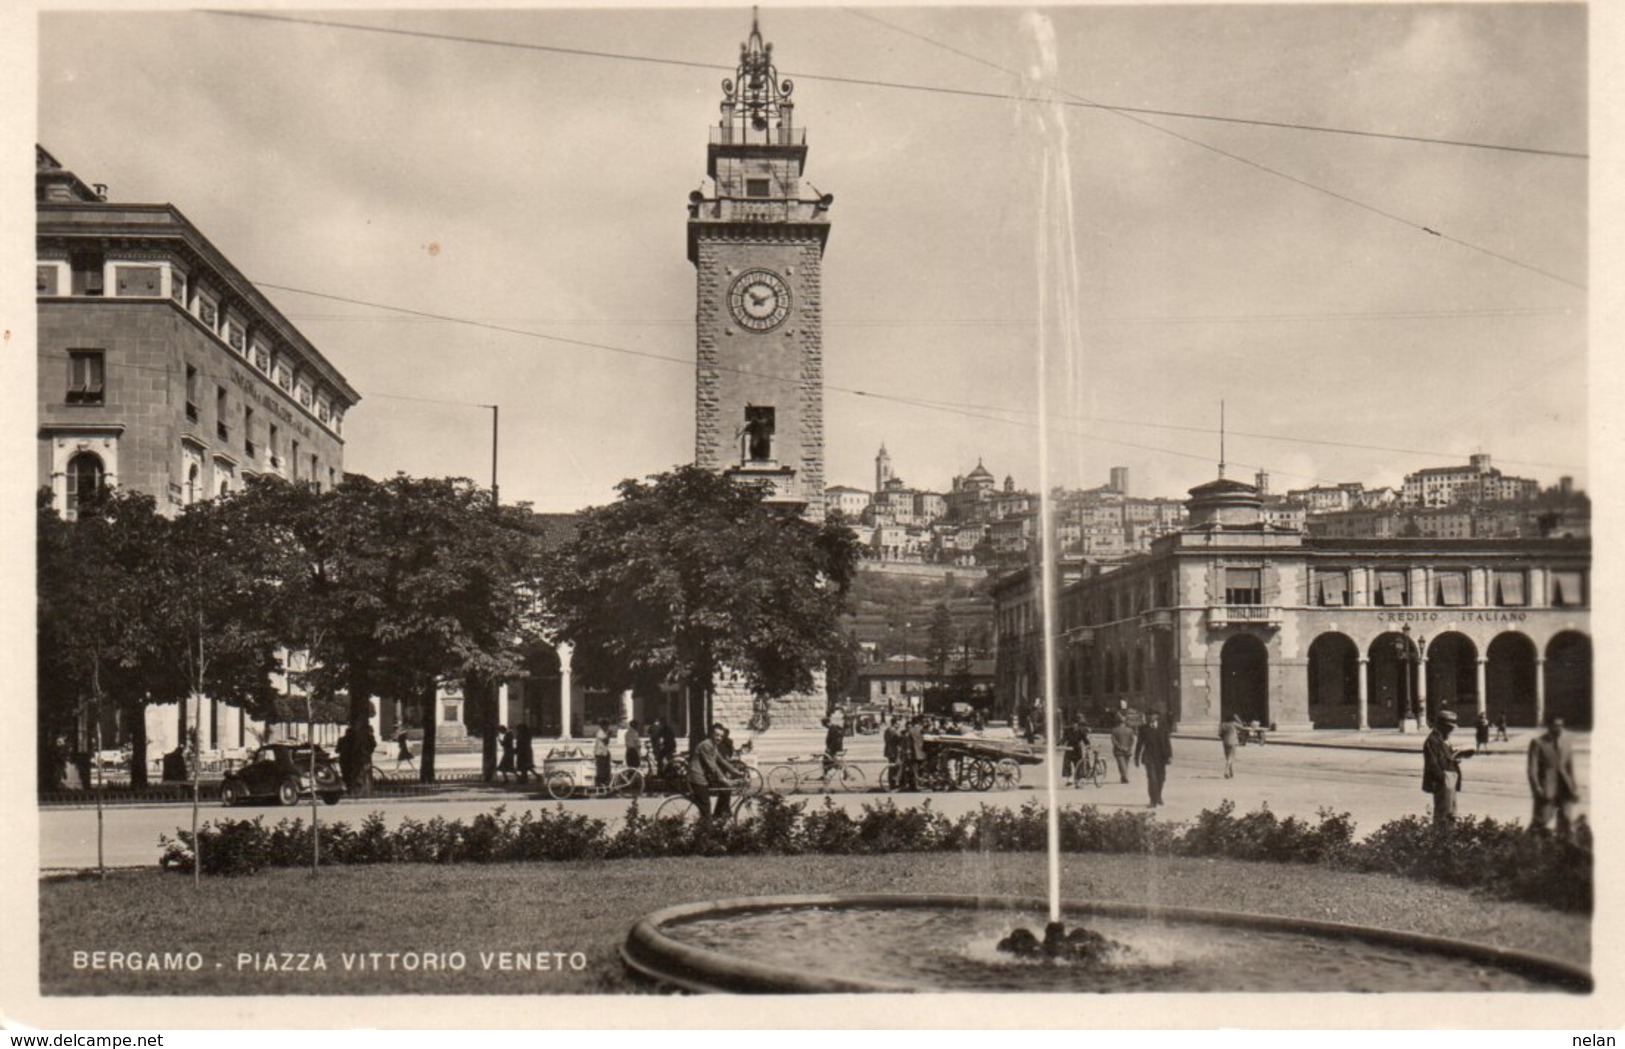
757,245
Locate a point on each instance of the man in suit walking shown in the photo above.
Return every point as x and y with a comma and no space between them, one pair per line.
1122,745
1552,780
1155,751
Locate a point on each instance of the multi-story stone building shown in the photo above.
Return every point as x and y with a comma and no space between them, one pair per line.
163,369
847,501
1232,617
1477,482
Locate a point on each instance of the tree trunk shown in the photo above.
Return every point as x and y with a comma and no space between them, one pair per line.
138,745
488,741
426,759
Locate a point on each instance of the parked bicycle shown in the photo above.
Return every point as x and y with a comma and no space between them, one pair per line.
624,782
823,774
1090,768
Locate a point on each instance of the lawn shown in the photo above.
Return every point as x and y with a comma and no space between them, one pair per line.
568,919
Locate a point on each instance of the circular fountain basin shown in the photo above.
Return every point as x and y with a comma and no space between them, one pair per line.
900,943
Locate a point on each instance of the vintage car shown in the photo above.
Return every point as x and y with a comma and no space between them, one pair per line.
282,771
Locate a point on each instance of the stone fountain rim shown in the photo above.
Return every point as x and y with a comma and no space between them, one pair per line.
648,951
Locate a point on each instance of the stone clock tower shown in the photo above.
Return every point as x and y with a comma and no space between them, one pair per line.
757,244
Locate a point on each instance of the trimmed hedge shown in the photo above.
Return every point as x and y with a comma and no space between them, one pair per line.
1502,859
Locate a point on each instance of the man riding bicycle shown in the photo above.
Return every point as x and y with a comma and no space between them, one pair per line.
710,775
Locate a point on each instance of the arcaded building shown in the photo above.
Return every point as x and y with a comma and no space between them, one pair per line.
1233,617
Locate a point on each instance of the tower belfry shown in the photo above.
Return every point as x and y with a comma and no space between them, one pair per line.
757,243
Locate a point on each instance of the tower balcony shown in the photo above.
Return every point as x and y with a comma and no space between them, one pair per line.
732,134
757,209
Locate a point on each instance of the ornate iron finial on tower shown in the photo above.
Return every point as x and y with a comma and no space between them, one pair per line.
756,99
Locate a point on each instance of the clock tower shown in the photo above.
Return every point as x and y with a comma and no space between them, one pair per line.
757,245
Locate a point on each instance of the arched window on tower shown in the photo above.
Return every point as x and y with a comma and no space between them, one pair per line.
84,476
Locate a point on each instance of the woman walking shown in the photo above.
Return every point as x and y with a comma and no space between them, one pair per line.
505,767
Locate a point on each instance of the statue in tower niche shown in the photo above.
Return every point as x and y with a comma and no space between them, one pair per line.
756,240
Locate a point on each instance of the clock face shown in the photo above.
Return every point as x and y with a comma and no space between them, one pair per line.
759,300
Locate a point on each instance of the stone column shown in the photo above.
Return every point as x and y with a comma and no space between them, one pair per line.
1483,698
1421,687
1540,690
502,703
565,650
1365,721
626,706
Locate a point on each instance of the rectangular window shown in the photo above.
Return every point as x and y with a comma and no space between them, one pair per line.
284,377
1568,589
1243,586
332,478
206,313
271,445
45,280
191,393
293,461
758,187
86,375
262,360
315,472
1450,588
234,335
221,429
138,281
1510,590
1392,588
304,395
248,431
177,285
87,273
1332,587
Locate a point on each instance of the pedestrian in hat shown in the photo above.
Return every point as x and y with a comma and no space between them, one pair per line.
1441,767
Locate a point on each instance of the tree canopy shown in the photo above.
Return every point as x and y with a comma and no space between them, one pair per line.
689,572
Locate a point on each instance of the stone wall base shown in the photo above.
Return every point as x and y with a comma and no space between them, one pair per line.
732,704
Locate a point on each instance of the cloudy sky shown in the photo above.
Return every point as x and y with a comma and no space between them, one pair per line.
1363,305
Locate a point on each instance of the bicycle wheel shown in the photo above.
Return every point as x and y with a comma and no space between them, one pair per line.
755,782
626,783
887,780
560,785
1097,772
678,807
1007,774
851,777
741,807
782,780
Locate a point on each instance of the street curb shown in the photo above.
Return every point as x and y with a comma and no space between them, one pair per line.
1277,741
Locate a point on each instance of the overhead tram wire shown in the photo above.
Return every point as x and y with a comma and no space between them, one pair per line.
1131,115
1076,102
1125,112
968,410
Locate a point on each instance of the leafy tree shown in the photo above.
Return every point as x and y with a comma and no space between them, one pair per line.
96,651
688,573
841,670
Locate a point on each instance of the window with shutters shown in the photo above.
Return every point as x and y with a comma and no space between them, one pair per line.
1511,588
1243,586
1568,589
1331,587
86,376
1450,588
1392,588
191,393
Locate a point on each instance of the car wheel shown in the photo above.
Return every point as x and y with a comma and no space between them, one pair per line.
331,797
232,793
287,793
